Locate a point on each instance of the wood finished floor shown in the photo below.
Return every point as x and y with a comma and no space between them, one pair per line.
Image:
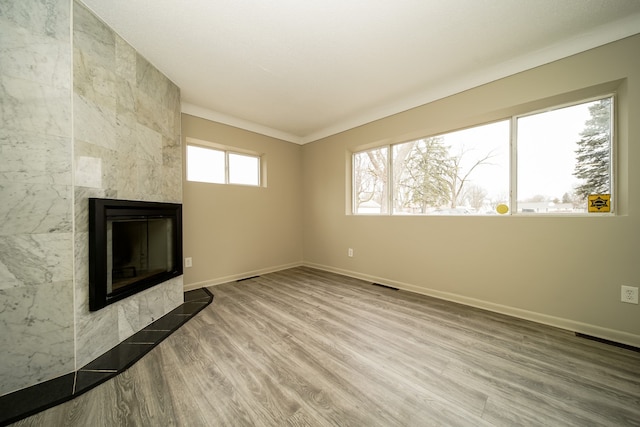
303,347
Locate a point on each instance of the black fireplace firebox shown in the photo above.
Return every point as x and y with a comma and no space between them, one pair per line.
133,245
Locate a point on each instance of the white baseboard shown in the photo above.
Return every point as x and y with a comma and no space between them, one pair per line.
239,276
558,322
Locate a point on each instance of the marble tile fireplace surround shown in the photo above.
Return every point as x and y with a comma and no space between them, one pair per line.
86,117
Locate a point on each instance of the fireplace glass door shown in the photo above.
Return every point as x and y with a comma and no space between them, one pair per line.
137,249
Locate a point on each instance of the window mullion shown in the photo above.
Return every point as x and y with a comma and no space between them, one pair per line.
513,166
354,193
390,182
613,154
226,167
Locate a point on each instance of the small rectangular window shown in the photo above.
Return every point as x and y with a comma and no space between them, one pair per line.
205,165
218,166
244,169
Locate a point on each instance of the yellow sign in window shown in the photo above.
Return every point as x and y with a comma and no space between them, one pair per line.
599,203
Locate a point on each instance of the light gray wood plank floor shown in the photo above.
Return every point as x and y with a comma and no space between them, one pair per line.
302,347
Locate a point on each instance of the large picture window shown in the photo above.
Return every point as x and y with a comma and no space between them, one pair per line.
546,162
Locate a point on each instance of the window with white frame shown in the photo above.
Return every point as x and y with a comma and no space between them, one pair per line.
218,166
243,169
370,181
546,162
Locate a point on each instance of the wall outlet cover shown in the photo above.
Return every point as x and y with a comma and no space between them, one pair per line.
629,294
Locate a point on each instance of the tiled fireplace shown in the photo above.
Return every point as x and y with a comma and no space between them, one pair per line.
86,117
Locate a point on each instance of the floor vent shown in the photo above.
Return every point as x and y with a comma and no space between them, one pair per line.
604,341
247,278
385,286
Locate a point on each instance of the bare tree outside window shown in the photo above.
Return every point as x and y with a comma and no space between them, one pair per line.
460,175
370,181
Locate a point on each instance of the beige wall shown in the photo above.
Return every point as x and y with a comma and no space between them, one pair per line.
557,270
231,231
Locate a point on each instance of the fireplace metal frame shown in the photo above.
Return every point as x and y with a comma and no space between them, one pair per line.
100,211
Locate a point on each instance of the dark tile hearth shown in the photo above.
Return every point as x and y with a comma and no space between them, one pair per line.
28,401
23,403
86,380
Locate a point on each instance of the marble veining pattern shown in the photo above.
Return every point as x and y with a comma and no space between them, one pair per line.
37,339
126,184
34,208
94,123
96,332
31,106
35,259
35,42
22,60
49,18
149,144
126,124
126,64
128,318
35,159
36,250
94,38
97,84
173,293
81,221
127,120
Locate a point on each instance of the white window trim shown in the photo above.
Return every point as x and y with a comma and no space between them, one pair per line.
226,150
512,164
513,194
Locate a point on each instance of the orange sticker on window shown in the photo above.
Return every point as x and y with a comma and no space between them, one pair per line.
599,203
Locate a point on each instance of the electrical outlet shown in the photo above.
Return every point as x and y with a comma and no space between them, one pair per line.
188,262
629,294
350,252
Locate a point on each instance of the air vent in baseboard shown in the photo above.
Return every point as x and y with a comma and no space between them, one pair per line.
385,286
608,342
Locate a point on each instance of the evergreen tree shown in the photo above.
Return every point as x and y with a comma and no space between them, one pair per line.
593,156
424,174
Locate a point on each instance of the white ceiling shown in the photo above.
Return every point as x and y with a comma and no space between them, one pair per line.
301,70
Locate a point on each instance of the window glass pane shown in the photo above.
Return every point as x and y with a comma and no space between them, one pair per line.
244,169
458,173
370,189
205,165
563,156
